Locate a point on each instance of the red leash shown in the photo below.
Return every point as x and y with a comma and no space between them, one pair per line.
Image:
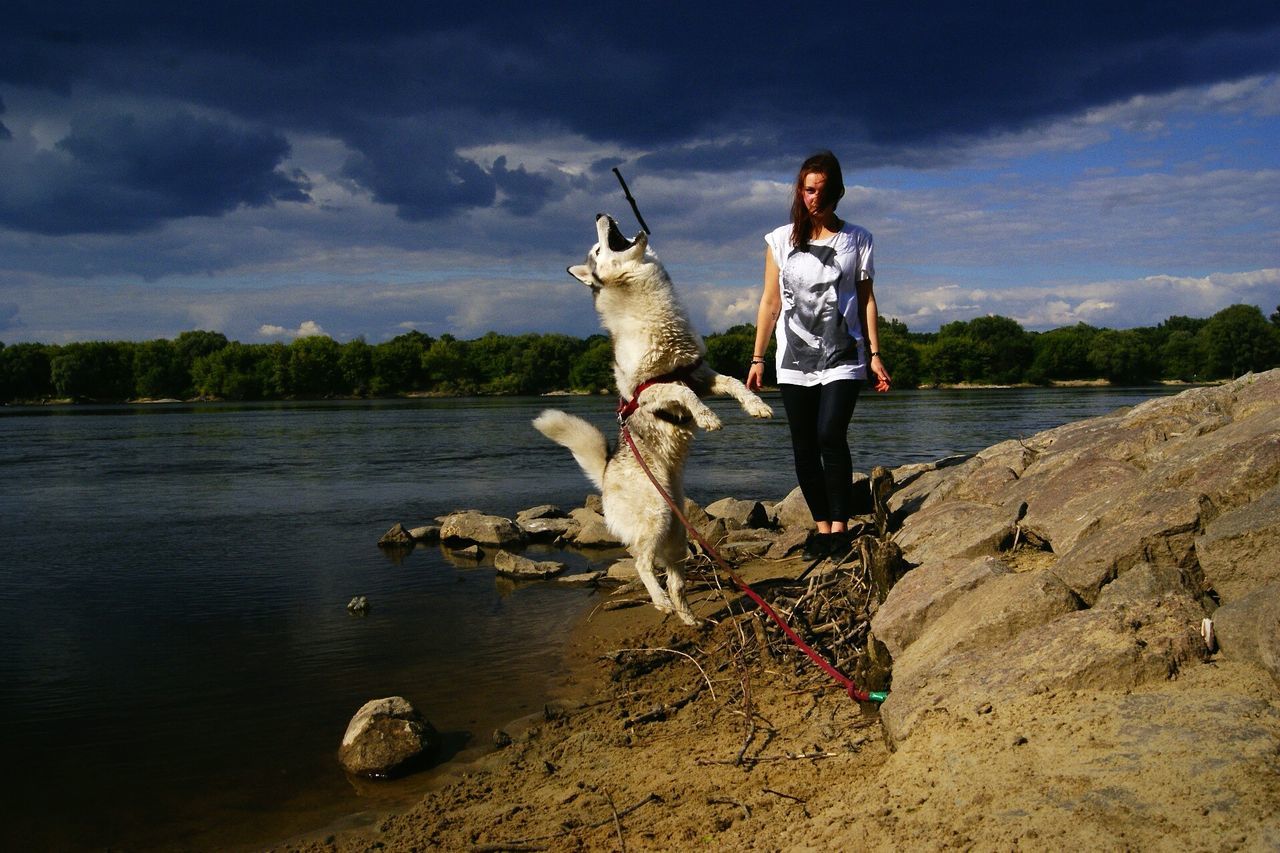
850,688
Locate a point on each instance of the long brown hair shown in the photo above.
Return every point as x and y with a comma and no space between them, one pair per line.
823,163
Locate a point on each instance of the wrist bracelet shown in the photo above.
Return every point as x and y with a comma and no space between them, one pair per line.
757,361
874,355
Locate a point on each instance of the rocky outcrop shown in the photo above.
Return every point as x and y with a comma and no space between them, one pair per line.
1086,556
386,737
476,527
1248,629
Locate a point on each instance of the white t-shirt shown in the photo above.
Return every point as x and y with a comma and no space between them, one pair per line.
819,333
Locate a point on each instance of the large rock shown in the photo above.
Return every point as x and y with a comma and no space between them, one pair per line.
480,528
1249,629
1098,649
396,537
958,528
991,615
1240,549
516,566
793,512
550,529
925,594
740,513
386,737
1141,515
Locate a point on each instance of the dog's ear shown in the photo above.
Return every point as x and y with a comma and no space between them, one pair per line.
582,273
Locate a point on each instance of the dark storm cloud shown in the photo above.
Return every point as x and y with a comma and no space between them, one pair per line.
676,80
122,173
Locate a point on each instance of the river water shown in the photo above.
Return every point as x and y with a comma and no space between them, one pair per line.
177,664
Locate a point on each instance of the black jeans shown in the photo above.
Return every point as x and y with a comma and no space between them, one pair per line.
819,418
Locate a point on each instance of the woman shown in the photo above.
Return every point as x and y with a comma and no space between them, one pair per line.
818,273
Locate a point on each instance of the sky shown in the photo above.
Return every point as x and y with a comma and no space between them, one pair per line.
280,169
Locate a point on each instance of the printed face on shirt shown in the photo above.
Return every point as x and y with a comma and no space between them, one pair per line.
816,334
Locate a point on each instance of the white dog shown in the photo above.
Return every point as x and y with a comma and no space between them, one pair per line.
660,372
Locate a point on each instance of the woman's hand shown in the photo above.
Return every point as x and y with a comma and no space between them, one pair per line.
883,382
755,377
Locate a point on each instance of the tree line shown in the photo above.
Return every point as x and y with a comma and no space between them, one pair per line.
985,350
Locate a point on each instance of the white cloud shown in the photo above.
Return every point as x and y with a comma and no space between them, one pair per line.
308,329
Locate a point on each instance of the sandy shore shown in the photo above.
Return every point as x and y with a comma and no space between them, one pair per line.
672,738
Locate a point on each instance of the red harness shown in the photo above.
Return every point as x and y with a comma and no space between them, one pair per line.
681,374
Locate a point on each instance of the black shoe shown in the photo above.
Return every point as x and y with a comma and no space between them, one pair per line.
840,544
817,546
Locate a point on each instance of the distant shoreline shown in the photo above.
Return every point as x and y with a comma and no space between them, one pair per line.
436,395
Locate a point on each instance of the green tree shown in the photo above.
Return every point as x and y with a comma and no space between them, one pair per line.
947,359
1275,317
1003,349
730,352
448,368
542,363
900,354
593,369
313,368
356,365
1062,354
1123,357
94,370
158,371
24,372
1239,339
397,365
1181,357
242,372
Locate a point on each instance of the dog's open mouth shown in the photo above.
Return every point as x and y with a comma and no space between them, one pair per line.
617,242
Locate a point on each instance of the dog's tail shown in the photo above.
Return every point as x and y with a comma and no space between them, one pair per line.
587,443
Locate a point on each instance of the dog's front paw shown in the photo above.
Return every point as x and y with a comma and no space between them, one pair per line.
707,419
758,408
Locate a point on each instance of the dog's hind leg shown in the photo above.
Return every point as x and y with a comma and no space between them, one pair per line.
644,568
673,554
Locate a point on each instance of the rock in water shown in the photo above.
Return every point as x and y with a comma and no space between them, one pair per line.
396,537
385,737
358,604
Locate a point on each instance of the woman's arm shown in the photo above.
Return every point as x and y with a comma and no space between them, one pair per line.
766,319
870,316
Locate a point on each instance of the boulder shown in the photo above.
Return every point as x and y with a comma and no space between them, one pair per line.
696,515
550,529
1157,528
990,615
1248,629
581,579
741,545
792,511
1240,549
481,529
623,570
358,604
396,537
739,513
926,593
539,512
516,566
426,533
1097,649
958,528
385,738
